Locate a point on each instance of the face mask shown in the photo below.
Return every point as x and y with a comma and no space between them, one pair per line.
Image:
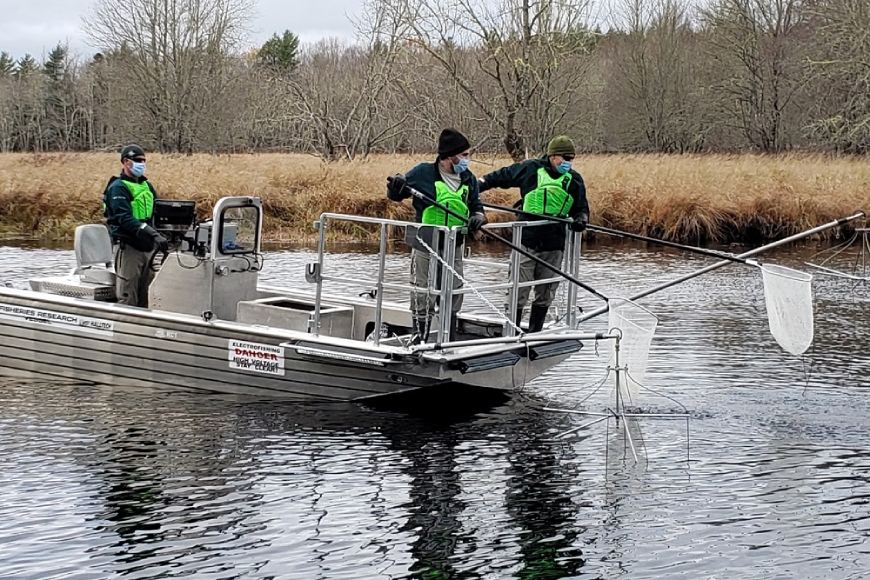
461,166
564,167
137,169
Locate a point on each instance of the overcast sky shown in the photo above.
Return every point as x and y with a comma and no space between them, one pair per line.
36,26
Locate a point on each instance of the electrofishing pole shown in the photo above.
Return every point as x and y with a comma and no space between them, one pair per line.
717,265
622,234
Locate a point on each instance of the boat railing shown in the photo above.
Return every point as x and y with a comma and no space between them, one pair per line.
441,273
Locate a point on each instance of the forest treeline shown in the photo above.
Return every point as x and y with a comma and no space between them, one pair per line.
651,76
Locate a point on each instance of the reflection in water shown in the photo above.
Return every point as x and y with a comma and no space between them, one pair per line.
434,503
538,501
159,493
110,482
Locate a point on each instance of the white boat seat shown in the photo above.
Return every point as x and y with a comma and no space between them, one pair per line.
94,257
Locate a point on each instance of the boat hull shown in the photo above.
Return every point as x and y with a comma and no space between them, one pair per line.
60,337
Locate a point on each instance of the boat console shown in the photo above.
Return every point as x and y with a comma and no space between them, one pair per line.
214,264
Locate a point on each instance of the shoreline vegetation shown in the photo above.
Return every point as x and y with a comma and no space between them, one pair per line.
694,199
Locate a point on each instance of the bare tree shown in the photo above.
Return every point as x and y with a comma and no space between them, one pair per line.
841,69
345,97
656,80
176,57
27,92
7,108
517,61
757,42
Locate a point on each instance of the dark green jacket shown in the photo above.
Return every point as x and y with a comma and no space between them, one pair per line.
524,175
119,213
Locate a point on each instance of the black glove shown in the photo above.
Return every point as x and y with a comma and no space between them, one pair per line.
161,244
476,221
580,222
396,189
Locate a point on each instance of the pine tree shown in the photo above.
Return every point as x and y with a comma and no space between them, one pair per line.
280,53
7,65
55,66
59,99
26,66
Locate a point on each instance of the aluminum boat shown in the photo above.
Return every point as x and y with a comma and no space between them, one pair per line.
212,325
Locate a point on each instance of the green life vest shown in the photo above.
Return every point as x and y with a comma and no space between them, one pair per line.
142,199
550,197
457,201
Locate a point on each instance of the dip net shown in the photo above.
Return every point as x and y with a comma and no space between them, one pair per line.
637,326
788,298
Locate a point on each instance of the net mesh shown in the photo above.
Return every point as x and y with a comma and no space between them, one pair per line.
638,326
788,297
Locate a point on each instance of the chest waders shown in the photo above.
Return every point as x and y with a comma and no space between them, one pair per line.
456,201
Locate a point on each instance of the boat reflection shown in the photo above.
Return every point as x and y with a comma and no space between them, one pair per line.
187,485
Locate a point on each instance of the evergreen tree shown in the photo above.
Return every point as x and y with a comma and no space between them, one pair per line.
59,101
280,53
26,65
7,65
55,65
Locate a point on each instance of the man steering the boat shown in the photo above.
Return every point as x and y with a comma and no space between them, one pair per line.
550,187
446,182
129,204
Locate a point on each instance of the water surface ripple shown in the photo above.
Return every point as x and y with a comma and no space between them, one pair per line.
115,482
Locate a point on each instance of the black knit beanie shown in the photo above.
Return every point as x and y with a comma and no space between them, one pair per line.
451,142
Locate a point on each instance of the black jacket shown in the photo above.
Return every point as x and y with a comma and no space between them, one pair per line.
524,175
119,213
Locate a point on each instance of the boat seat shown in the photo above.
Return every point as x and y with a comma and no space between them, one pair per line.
94,257
93,277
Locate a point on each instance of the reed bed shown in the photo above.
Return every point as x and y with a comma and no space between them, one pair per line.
690,198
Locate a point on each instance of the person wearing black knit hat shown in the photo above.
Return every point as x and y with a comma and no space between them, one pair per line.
451,142
548,186
447,181
128,203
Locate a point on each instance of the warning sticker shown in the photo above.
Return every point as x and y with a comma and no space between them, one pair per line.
256,357
59,320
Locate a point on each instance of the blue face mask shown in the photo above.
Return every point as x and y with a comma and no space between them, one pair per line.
461,166
137,169
564,167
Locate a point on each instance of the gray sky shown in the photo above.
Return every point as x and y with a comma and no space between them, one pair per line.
36,26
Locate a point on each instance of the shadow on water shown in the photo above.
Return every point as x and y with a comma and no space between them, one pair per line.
444,404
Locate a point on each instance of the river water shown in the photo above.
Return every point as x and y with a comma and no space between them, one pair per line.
769,479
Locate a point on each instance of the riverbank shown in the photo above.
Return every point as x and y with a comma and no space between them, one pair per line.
691,198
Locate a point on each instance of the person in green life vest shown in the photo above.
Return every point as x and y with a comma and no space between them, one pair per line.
548,185
448,181
129,204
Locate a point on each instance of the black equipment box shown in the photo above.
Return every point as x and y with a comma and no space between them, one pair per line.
171,215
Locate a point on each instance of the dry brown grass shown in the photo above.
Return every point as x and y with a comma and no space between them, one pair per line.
693,199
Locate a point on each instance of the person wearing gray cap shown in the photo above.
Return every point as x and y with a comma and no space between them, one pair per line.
548,186
450,183
128,203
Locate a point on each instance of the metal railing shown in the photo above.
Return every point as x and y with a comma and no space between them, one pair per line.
441,275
